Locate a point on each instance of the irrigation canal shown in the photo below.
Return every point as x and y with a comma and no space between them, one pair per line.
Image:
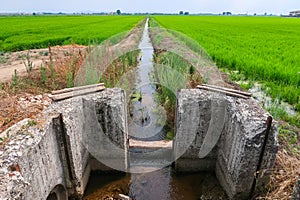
151,177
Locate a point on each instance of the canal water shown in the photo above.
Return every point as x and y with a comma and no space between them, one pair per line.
146,117
151,176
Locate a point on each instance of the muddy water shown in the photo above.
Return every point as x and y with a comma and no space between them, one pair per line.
146,122
158,185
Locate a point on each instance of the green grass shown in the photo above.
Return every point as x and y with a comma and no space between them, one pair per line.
28,32
264,49
173,73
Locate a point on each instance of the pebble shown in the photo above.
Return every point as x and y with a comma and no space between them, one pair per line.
3,171
14,154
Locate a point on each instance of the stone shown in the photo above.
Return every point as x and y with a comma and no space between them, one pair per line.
296,193
123,197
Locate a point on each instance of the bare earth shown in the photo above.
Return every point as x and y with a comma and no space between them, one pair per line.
9,62
15,61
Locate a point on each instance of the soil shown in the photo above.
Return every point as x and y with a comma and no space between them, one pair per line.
17,106
9,62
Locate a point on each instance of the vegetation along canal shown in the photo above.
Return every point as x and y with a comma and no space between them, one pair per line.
151,175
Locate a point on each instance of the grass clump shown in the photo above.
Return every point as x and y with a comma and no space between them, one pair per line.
172,73
112,74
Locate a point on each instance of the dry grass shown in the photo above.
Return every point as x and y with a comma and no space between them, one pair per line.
18,97
63,65
284,177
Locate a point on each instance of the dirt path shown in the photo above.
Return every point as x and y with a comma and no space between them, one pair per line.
9,62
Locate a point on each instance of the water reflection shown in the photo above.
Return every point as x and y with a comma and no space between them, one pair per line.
147,118
162,184
146,121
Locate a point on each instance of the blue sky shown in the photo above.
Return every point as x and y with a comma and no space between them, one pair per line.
166,6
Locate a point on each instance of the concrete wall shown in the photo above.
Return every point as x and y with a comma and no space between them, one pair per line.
234,132
296,194
57,155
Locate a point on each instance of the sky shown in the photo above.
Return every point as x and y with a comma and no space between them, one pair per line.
162,6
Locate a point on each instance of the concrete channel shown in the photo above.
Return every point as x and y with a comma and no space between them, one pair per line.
230,136
58,157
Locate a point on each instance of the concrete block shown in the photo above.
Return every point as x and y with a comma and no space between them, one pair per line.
55,160
234,130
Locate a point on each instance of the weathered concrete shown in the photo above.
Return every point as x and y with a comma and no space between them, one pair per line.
237,127
296,194
55,159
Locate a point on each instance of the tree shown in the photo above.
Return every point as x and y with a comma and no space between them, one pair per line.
186,13
119,12
181,13
227,13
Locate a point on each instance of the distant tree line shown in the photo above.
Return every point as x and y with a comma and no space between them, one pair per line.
227,13
183,13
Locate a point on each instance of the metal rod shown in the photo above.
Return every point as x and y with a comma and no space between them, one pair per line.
257,172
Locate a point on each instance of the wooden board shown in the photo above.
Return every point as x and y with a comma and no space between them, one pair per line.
67,93
75,88
226,91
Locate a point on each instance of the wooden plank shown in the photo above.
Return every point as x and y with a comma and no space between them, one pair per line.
75,88
151,144
63,96
229,90
223,92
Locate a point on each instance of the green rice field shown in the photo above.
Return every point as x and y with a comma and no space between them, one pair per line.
28,32
264,49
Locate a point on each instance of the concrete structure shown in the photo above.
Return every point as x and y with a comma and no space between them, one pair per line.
54,161
295,13
296,194
227,135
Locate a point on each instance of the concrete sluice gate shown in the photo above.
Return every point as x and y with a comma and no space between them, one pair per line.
233,137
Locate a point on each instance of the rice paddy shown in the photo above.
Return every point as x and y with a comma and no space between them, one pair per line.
33,32
263,49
